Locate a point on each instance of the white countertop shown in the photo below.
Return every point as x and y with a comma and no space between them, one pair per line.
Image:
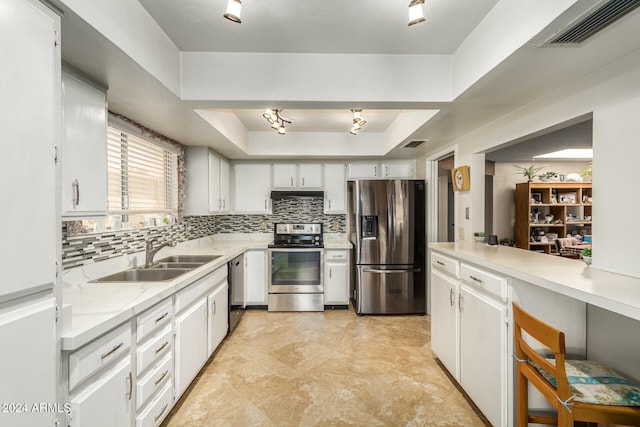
615,292
96,308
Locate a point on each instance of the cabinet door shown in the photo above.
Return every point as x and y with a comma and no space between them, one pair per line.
218,302
483,353
364,170
197,181
335,188
255,277
105,402
310,176
224,185
336,282
190,345
252,187
84,149
28,361
30,105
284,175
399,169
444,321
215,199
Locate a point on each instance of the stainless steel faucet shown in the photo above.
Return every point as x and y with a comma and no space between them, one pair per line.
150,251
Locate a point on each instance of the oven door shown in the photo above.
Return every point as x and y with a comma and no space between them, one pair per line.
295,271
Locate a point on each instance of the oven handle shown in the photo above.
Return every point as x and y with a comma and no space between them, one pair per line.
375,270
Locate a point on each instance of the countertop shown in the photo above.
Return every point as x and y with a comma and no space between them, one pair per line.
615,292
97,308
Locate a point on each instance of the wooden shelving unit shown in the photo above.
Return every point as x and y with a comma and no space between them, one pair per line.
560,199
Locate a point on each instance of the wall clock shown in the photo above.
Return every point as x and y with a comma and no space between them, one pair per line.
460,178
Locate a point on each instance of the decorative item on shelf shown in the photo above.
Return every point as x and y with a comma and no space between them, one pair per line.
480,237
548,218
493,240
573,177
588,171
586,255
548,176
531,172
505,241
460,178
552,237
536,197
568,198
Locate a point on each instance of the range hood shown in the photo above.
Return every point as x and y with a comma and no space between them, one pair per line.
296,195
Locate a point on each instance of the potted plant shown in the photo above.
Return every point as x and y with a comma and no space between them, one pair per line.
548,176
480,236
586,255
507,242
531,172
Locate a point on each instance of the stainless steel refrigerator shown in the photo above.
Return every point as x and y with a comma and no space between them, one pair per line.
387,229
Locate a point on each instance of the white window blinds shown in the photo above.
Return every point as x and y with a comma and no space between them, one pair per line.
143,175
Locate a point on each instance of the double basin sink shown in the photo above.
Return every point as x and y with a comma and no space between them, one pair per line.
163,270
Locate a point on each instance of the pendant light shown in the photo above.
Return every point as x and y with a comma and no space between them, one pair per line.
234,8
415,12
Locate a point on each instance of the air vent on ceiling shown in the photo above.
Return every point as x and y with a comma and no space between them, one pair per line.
602,17
414,144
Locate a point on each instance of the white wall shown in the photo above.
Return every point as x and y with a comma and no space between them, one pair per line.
613,95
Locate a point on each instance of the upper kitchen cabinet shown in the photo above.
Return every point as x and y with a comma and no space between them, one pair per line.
335,188
302,176
207,182
405,169
84,149
252,187
358,170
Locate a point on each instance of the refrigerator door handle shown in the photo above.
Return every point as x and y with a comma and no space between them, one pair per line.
375,270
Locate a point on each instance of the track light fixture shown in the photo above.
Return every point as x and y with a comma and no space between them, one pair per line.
358,122
415,12
234,8
276,120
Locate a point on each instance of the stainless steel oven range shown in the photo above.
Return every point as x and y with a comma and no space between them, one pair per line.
295,268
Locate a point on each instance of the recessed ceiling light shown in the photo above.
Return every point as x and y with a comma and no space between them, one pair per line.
568,154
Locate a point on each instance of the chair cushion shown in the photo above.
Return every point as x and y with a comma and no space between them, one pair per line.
592,382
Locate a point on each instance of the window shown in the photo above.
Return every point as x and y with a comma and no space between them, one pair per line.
143,178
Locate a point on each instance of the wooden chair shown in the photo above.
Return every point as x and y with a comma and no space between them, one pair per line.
573,402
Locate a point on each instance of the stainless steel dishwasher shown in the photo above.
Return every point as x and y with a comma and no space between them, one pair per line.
236,291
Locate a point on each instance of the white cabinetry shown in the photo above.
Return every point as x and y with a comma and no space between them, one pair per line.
84,149
207,182
106,400
405,169
284,175
218,307
310,176
255,276
252,187
28,361
363,170
336,277
335,188
445,320
190,344
303,176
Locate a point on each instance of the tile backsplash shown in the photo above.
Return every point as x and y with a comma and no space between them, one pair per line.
86,249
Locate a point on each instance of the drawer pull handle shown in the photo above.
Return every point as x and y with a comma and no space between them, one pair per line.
166,343
161,377
110,352
164,408
159,319
475,279
440,263
130,379
451,297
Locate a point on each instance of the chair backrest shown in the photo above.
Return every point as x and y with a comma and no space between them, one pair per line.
548,336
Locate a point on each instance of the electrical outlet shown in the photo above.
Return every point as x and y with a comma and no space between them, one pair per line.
263,225
335,224
466,213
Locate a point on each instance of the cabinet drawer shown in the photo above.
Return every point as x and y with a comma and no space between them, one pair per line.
153,319
157,409
99,353
153,349
191,293
153,381
444,263
482,279
336,256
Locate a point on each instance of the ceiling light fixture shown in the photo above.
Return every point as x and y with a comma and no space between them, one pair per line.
276,121
358,122
415,12
234,8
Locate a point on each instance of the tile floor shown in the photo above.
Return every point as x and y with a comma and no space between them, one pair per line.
324,369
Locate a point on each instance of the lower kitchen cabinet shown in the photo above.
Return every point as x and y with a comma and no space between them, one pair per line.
106,400
218,317
190,344
158,409
445,326
336,277
255,276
